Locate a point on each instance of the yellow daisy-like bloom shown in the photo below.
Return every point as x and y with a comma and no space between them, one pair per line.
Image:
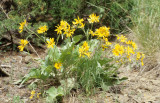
128,42
32,94
119,49
143,56
121,38
84,50
78,22
42,29
22,24
69,32
65,27
138,56
102,32
64,24
23,43
51,43
103,47
93,18
59,29
91,32
132,43
129,50
57,65
107,42
38,95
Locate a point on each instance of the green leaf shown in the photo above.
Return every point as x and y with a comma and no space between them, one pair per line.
53,93
68,84
77,38
33,74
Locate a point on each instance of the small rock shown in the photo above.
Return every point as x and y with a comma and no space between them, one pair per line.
28,59
25,68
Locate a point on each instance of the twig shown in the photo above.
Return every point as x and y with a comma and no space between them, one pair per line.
5,66
34,50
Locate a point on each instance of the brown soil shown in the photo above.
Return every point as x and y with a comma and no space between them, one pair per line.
142,85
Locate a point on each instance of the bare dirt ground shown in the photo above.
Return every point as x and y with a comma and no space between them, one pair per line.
142,86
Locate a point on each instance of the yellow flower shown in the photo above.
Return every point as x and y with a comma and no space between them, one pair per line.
42,29
38,95
104,47
138,55
21,47
69,32
107,42
50,43
93,18
22,24
84,50
134,45
119,49
23,43
91,32
64,24
128,42
129,50
78,22
32,94
143,56
59,29
122,38
102,32
57,65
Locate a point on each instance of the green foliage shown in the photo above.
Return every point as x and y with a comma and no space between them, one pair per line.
96,71
17,99
113,13
54,93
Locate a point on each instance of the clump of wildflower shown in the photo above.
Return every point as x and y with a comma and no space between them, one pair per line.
118,50
79,22
42,29
132,43
121,38
57,65
23,43
102,32
84,50
142,56
50,43
129,51
22,24
32,94
93,18
65,28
